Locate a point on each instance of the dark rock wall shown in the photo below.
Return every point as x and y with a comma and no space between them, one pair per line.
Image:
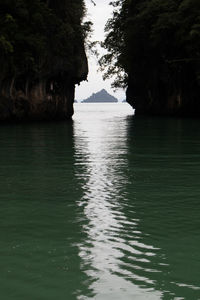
174,97
44,89
157,44
47,98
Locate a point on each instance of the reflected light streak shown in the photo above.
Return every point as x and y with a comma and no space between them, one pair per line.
101,149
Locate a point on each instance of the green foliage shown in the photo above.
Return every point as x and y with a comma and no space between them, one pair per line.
40,36
5,45
152,38
113,61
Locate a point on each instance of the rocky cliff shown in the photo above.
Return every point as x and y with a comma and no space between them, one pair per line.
48,97
157,47
42,57
163,71
173,96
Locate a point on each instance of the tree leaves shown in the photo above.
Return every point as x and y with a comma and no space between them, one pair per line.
35,33
146,34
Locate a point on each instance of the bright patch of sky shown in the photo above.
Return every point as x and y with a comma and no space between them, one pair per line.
98,14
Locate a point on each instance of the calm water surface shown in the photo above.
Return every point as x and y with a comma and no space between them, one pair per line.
104,207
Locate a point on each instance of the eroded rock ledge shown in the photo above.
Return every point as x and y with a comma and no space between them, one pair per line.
172,98
47,98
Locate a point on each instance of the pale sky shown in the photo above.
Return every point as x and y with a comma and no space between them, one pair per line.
98,14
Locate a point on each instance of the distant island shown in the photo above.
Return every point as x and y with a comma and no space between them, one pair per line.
100,97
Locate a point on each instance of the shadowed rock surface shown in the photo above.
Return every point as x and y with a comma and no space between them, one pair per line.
42,57
156,44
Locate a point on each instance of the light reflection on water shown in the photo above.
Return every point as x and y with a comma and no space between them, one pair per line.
104,207
111,238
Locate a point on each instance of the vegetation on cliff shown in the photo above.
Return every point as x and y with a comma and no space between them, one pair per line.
158,48
41,51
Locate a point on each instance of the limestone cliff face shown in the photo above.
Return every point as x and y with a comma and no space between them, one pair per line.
49,97
173,97
42,58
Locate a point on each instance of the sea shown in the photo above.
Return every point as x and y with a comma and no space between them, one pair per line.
105,207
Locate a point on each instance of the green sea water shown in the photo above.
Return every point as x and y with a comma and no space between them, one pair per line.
104,207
